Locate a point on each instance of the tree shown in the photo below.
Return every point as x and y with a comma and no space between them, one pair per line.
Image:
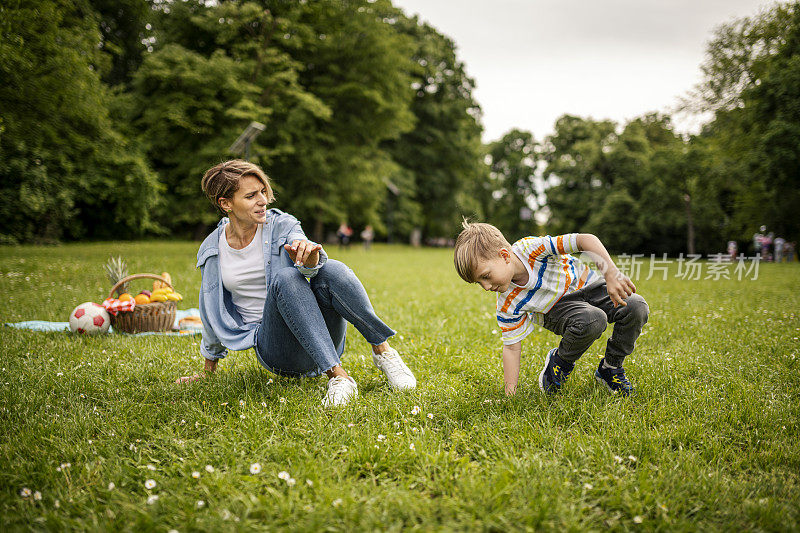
752,67
510,195
443,150
577,171
65,171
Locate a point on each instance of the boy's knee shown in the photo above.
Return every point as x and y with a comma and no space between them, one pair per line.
591,323
638,308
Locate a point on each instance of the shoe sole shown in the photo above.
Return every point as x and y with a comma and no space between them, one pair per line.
541,374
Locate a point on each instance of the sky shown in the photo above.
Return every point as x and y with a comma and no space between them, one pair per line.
535,60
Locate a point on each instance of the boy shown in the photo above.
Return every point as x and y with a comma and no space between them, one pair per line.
538,282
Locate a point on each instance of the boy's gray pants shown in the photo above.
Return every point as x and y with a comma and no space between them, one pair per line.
582,316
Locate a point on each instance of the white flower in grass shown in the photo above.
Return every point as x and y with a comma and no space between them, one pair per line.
111,486
269,381
56,504
337,502
152,499
150,484
309,483
415,410
37,496
411,446
173,531
25,492
242,417
151,467
60,374
225,514
264,404
291,482
241,403
283,475
282,400
381,438
588,486
255,468
632,458
196,474
638,519
430,415
209,469
200,504
617,458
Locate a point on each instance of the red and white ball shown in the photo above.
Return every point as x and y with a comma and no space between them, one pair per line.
89,318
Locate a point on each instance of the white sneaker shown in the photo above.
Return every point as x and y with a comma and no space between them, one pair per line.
340,391
396,371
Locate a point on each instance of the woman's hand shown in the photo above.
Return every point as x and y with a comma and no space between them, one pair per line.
304,253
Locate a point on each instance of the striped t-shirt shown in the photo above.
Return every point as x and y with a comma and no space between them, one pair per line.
552,273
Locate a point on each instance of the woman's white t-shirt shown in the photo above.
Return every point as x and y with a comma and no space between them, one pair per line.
243,275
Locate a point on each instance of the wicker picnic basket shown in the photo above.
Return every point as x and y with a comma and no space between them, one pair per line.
155,316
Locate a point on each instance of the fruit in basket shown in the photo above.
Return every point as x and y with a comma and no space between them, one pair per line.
158,284
158,297
116,269
174,296
89,318
146,293
141,299
124,297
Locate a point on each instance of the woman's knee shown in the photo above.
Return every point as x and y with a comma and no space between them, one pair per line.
287,277
332,273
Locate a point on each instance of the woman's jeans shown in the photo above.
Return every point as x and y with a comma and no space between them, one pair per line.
304,324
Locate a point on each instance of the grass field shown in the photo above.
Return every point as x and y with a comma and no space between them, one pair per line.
710,441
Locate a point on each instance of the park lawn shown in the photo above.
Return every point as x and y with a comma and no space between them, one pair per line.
709,442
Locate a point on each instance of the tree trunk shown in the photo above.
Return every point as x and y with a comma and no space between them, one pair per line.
318,229
689,224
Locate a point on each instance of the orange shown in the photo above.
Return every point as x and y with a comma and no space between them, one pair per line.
124,297
141,299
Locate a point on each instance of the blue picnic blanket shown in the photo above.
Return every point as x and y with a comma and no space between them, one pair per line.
44,325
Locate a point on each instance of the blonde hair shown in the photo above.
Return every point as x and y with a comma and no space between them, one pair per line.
475,242
222,181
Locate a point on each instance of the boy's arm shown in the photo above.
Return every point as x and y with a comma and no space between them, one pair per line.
619,286
511,357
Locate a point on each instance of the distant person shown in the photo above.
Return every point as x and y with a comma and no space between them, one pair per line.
766,245
733,249
367,236
778,245
254,291
789,250
344,233
538,282
757,236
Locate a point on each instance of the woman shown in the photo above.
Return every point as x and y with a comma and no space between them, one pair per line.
254,291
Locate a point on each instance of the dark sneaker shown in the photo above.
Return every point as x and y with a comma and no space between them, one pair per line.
555,372
614,379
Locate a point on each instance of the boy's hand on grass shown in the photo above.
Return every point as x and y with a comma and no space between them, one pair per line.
619,287
189,379
210,367
304,253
